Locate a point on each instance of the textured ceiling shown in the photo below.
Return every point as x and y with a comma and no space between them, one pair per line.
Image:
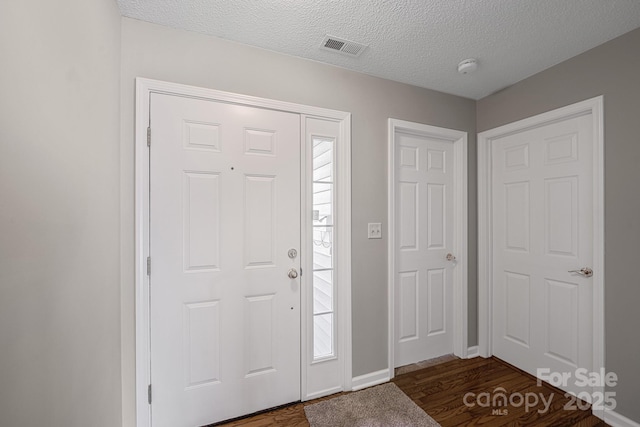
419,42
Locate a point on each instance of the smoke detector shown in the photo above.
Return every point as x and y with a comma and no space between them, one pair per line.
468,66
346,47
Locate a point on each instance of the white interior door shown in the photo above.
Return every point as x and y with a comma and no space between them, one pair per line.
225,210
424,227
542,230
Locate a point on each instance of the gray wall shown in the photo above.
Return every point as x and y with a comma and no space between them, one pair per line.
59,219
166,54
611,70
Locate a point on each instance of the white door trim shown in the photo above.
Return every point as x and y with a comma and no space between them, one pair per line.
342,246
459,140
592,106
144,88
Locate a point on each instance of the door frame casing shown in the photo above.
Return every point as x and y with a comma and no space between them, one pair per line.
144,88
593,106
460,249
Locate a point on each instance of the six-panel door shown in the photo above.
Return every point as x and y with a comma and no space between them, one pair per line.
424,236
225,210
542,222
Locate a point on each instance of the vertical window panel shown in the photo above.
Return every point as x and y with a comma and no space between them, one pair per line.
323,261
323,336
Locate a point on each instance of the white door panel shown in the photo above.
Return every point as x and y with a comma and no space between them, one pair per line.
225,210
424,230
542,222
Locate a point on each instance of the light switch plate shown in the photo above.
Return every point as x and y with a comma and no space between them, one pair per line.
375,230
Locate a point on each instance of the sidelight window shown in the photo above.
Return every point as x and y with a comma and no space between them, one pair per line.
323,256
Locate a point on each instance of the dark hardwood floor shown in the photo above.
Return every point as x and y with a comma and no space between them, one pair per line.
441,389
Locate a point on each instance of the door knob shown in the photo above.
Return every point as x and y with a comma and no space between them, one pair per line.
585,271
293,273
450,257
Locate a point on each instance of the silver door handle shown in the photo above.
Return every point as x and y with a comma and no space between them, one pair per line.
450,257
293,273
586,272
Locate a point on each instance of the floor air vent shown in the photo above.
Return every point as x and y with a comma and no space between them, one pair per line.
346,47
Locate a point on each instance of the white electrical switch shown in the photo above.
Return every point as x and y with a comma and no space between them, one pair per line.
375,230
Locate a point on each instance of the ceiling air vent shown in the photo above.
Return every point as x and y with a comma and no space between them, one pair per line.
346,47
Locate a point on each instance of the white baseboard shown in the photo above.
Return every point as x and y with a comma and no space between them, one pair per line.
371,379
616,420
472,352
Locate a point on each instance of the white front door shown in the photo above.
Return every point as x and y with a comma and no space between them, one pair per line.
424,227
225,211
542,230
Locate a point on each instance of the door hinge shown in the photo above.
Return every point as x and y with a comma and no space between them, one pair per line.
149,394
149,136
148,266
300,271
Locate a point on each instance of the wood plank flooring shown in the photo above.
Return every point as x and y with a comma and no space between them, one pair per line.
440,390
